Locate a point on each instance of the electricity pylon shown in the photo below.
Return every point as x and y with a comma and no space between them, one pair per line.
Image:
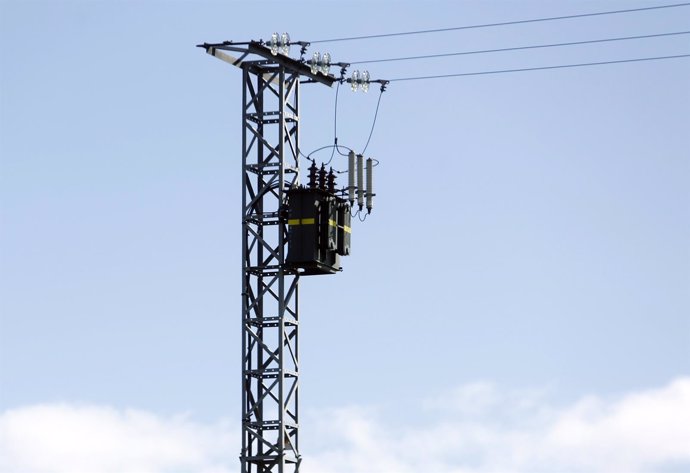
270,316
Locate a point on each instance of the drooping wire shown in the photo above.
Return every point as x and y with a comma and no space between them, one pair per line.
340,152
542,68
373,125
358,214
335,145
518,48
503,23
335,125
308,156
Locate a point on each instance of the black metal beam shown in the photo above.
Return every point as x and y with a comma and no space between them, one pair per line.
255,47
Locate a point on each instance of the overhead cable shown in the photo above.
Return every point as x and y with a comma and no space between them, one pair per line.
561,66
335,125
517,48
376,114
503,23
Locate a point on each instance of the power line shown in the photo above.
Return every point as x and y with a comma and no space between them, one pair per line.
376,114
517,48
504,23
562,66
335,125
335,146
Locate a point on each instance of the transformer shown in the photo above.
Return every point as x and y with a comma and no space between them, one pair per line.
318,230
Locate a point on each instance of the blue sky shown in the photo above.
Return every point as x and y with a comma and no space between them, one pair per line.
530,233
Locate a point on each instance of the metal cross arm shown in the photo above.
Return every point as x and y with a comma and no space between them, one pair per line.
257,49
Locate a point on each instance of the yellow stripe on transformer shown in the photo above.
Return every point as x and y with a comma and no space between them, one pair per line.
304,221
312,221
347,229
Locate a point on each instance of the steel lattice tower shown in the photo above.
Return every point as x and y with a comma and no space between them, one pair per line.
270,317
270,363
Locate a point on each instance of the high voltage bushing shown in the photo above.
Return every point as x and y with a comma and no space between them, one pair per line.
312,174
330,182
355,170
360,181
351,177
370,182
322,177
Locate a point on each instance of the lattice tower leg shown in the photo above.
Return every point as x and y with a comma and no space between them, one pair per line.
270,368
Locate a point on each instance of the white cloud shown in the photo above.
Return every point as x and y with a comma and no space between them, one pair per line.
474,428
479,428
61,438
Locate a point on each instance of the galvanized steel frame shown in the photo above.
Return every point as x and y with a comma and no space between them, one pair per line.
270,166
270,360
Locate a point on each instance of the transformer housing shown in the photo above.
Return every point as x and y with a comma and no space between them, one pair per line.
318,230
